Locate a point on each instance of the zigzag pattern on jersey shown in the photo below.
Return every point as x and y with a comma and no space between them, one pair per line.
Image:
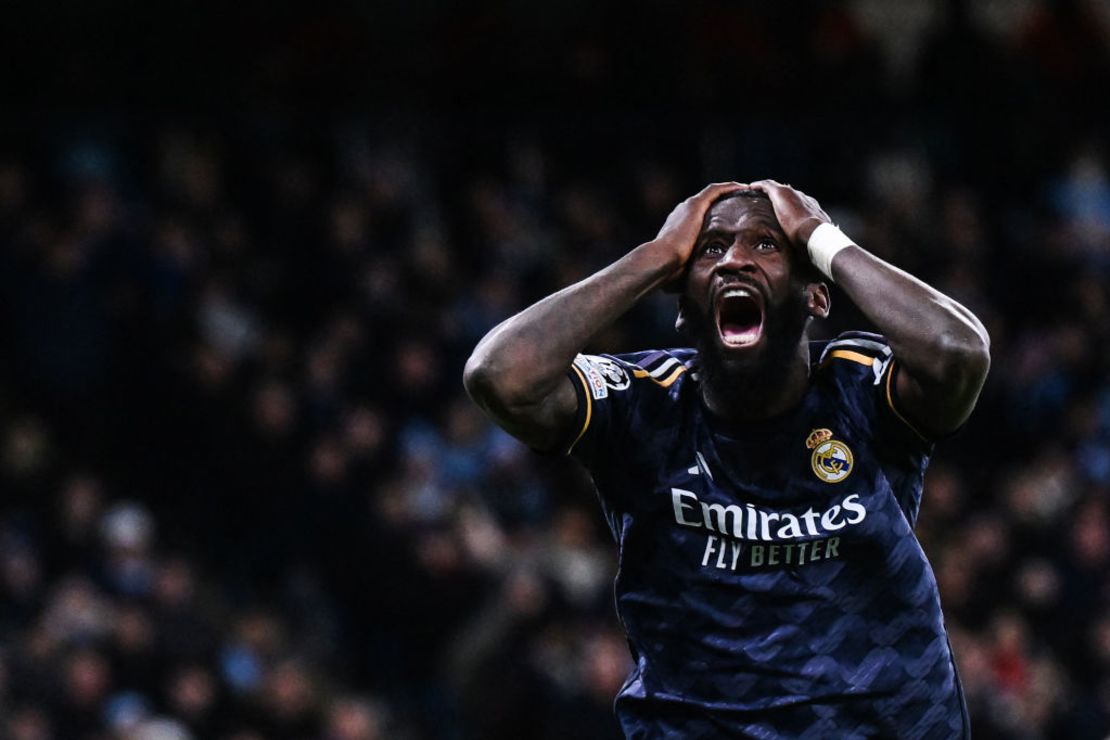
852,647
886,648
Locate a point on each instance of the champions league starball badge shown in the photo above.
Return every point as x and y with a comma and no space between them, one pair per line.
614,375
831,460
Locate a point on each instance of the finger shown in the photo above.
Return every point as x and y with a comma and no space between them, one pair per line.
721,187
766,185
730,187
715,190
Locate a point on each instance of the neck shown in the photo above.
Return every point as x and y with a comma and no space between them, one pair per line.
760,392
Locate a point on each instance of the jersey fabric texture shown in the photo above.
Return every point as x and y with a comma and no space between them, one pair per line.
770,583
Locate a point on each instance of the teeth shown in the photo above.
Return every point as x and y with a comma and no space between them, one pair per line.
737,293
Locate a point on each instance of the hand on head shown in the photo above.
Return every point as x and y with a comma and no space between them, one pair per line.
798,213
681,229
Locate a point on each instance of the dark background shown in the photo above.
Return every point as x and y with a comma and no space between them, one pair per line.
245,251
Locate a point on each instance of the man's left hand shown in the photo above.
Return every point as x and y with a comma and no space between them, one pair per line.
798,213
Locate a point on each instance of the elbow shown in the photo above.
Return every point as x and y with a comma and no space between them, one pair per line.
490,384
478,379
964,360
498,384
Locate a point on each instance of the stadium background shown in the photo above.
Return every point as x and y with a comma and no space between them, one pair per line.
244,252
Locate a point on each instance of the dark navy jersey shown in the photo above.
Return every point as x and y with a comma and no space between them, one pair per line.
770,583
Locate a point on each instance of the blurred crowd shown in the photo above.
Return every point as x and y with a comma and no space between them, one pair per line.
244,495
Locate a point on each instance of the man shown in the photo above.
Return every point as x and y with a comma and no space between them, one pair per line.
762,489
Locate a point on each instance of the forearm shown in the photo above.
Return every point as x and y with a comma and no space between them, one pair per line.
943,349
939,342
523,359
517,373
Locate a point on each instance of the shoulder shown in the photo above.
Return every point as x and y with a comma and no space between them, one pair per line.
647,370
619,395
860,366
856,352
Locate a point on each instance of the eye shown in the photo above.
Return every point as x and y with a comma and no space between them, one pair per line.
766,245
714,248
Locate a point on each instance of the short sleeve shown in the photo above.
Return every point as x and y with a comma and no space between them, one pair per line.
890,404
606,399
620,394
865,350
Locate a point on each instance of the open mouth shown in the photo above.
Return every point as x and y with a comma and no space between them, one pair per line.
739,317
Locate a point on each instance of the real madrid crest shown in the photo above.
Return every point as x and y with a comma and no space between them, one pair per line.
831,459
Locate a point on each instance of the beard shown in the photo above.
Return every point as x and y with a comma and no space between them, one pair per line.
739,383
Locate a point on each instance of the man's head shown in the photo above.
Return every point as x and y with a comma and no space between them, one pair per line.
748,295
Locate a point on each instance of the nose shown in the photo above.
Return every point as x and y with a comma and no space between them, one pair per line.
738,259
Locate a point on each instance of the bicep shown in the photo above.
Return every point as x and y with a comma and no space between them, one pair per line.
933,410
545,424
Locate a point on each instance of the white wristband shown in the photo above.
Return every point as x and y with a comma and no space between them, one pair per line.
825,241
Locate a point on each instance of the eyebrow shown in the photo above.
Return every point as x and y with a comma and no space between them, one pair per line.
716,231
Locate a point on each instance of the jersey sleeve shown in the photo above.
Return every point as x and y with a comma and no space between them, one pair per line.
613,391
606,399
878,384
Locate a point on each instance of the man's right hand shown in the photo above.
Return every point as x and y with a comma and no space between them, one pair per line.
680,230
798,214
518,372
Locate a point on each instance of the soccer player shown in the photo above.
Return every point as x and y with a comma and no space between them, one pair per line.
762,488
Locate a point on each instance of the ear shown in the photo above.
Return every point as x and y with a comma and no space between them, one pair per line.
818,301
682,321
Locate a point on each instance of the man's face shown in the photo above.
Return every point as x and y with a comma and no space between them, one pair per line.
740,295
